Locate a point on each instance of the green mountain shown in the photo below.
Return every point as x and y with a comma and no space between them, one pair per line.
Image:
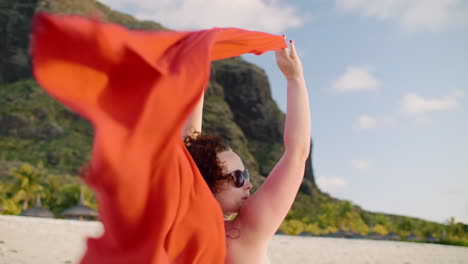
35,129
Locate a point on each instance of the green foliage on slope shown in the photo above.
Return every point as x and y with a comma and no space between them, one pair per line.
36,128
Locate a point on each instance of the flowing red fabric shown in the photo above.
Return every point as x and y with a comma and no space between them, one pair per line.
138,88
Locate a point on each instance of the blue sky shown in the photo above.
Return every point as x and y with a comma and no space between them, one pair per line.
388,87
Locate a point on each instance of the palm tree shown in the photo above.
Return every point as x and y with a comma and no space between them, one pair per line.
28,179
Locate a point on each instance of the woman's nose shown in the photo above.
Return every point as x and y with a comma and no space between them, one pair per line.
248,185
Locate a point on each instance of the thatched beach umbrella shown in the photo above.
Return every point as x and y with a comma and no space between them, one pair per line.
279,232
431,239
373,235
413,237
342,233
80,211
392,236
37,210
357,236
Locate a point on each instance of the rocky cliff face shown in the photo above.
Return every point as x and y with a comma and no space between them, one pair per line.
247,93
238,102
15,20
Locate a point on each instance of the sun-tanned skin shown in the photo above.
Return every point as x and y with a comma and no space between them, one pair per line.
260,215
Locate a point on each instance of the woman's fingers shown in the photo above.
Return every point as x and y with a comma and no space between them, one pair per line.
293,50
282,53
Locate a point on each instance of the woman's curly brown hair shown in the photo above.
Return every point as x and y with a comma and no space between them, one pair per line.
204,150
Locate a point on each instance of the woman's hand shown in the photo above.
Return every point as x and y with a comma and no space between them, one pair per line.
288,62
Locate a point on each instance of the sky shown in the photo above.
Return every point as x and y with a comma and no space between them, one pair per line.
388,87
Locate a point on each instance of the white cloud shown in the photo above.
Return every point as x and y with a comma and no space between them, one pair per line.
464,215
330,184
423,120
462,219
367,122
412,15
360,164
356,79
264,15
458,94
449,191
413,104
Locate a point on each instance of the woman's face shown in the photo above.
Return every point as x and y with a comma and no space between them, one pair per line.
230,197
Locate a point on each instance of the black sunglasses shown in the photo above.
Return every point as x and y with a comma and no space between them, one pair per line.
240,177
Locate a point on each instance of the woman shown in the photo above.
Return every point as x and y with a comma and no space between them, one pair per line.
259,215
137,88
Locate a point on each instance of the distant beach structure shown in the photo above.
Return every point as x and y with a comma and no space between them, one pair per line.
80,211
342,233
392,236
413,237
357,236
279,232
431,239
374,236
38,210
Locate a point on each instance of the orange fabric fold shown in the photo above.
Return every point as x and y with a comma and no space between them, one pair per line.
138,88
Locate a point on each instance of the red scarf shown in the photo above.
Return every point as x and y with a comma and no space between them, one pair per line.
138,88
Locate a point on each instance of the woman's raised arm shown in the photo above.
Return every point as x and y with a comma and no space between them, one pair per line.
194,122
265,210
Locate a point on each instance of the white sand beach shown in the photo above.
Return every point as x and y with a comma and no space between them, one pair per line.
31,240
